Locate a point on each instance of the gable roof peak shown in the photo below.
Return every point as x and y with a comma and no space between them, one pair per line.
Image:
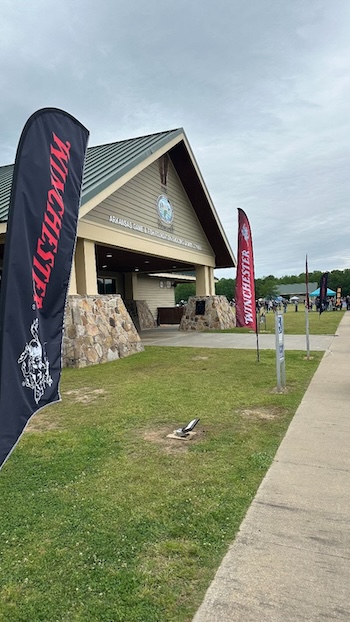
177,130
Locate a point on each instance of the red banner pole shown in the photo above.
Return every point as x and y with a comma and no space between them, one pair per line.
246,315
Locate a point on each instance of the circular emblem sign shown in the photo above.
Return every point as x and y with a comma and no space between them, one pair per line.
165,209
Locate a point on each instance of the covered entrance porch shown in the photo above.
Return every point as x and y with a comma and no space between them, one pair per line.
107,269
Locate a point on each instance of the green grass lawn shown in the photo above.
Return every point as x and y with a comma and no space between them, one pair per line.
295,323
105,519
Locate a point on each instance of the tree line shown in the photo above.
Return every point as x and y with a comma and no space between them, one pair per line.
268,286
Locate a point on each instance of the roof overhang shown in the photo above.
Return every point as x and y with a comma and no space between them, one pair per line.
99,185
187,168
180,153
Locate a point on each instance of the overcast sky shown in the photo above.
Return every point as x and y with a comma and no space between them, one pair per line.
261,88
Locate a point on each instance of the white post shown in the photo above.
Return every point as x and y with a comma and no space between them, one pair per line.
280,358
278,367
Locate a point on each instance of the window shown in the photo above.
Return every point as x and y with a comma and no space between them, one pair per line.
106,286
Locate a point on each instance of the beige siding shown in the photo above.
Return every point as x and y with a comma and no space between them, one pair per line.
148,289
136,203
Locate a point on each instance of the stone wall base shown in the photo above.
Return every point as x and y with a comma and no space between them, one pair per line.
140,314
146,318
207,312
97,329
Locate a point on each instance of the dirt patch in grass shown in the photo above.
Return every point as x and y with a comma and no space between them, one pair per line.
262,413
171,445
85,395
45,421
280,391
42,422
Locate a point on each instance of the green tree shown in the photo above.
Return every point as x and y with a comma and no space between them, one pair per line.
335,279
315,277
226,287
266,287
183,291
345,285
288,280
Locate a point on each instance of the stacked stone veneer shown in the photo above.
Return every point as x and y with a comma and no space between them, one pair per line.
146,318
218,314
97,329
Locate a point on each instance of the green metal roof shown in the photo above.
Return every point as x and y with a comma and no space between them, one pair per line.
6,173
295,289
104,165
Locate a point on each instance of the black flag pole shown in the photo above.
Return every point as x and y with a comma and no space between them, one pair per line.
257,334
39,247
323,292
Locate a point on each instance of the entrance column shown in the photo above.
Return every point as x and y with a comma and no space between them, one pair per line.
85,267
211,281
130,286
73,280
205,285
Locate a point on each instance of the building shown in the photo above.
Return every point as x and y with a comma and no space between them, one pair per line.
295,289
146,217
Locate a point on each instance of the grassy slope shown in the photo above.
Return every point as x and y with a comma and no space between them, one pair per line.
105,519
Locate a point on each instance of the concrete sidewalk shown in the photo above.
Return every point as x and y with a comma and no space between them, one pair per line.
290,561
172,336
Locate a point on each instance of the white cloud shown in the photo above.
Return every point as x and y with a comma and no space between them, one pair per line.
261,89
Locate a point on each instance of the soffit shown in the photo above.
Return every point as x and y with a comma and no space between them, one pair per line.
114,259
